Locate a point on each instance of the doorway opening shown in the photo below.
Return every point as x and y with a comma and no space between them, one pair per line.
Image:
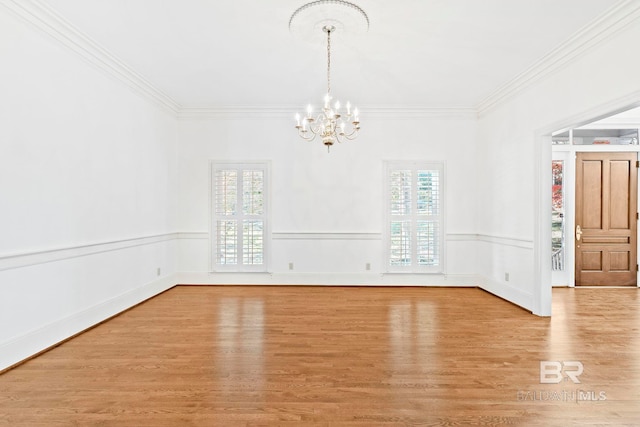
594,203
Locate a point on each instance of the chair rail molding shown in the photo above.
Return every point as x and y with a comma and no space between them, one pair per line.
26,259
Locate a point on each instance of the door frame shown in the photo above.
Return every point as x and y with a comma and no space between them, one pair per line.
567,153
541,304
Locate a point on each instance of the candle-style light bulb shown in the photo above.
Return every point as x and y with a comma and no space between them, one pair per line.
337,105
355,114
298,119
309,110
348,108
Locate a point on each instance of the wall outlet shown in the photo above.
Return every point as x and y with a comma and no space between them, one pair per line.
158,271
290,266
367,266
506,277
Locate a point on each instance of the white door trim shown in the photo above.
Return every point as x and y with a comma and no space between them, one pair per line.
542,201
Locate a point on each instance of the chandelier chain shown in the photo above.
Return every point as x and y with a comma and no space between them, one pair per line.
328,61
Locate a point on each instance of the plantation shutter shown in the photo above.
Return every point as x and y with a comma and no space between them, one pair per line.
414,235
239,217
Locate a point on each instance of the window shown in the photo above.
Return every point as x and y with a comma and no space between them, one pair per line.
414,217
239,216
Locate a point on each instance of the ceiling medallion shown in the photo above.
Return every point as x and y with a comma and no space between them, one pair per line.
347,18
332,123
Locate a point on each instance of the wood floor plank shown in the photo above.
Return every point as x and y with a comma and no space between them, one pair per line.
352,356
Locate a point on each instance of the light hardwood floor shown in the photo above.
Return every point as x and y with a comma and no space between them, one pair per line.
353,356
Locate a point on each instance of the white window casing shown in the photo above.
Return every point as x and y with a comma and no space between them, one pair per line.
414,217
240,232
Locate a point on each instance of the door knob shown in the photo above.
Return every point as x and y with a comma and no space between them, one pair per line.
578,232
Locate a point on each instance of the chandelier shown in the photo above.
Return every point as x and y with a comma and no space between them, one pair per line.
334,122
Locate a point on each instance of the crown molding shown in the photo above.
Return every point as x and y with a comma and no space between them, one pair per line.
237,111
279,111
613,21
418,112
48,21
45,19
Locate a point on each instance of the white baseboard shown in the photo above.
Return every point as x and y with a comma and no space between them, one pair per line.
38,340
330,279
507,292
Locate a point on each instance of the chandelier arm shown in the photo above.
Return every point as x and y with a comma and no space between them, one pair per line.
352,135
306,138
318,121
314,124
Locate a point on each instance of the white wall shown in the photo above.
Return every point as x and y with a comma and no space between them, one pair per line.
337,197
510,155
86,177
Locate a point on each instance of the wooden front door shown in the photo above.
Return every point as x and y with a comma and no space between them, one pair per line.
606,224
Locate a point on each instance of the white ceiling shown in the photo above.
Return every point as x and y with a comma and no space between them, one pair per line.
428,53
